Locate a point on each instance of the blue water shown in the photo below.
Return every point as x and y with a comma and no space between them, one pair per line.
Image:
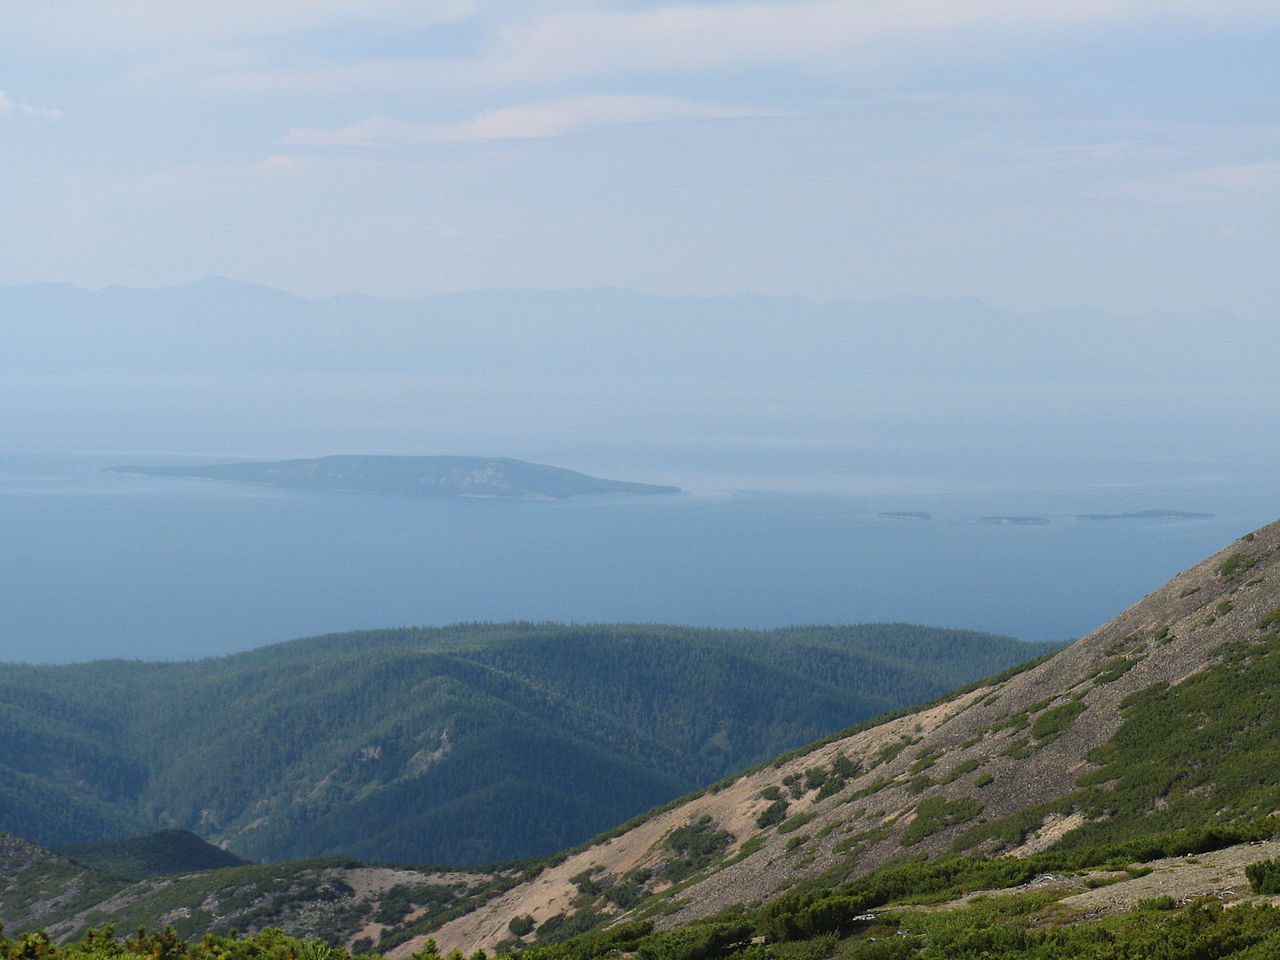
98,565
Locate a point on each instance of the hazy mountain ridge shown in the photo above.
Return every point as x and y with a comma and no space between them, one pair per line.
441,476
463,745
221,327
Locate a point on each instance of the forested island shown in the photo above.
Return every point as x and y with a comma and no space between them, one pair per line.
486,477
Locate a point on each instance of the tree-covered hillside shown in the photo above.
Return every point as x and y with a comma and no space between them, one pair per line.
159,854
463,744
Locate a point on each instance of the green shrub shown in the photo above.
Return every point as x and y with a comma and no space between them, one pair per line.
796,822
845,767
1271,620
1264,876
1235,564
520,925
776,812
936,813
1114,669
815,777
699,838
831,787
960,769
695,942
1054,723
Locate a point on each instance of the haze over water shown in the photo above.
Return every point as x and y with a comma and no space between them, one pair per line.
103,565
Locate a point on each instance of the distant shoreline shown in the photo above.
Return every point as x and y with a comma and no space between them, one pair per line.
1147,515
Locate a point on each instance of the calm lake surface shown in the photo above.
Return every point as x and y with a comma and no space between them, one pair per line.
98,565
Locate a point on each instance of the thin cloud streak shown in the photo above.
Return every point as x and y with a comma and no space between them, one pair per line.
594,43
9,105
548,118
131,27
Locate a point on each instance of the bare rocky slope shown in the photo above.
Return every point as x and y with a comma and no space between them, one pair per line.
1008,766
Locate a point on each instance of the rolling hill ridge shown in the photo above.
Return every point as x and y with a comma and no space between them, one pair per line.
455,745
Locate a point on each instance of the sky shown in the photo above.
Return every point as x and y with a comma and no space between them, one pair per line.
1116,154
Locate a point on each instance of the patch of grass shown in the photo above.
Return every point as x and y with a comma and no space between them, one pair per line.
1114,669
1270,621
937,813
1019,749
1055,722
797,841
796,822
960,769
1235,564
918,785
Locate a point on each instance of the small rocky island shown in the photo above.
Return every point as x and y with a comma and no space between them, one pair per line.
1147,515
1016,521
488,477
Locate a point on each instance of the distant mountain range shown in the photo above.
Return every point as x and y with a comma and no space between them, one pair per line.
233,366
218,326
498,477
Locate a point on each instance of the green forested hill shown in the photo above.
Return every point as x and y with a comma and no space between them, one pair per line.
159,854
461,744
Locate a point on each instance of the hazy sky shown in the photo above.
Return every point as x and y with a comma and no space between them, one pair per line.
1036,153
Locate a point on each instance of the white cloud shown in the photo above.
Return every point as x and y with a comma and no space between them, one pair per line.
1208,187
93,27
772,33
8,105
1248,176
548,118
600,39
